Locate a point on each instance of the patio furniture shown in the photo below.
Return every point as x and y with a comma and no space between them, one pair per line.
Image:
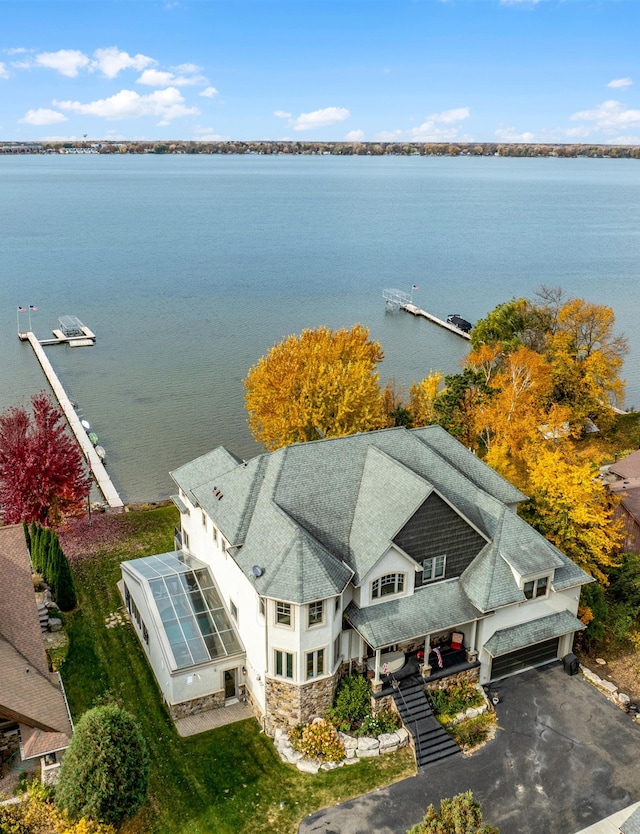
394,662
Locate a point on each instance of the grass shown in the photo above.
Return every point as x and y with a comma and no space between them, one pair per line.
227,781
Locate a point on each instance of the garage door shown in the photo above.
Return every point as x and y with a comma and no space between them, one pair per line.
534,655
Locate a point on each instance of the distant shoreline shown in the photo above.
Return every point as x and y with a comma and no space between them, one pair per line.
501,149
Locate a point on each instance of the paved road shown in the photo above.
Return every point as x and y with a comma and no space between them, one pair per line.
564,758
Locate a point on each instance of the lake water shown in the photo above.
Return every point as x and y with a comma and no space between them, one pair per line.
188,269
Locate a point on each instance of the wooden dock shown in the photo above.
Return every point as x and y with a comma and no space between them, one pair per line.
416,311
97,467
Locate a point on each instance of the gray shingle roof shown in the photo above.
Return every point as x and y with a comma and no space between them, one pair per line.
433,608
317,515
535,631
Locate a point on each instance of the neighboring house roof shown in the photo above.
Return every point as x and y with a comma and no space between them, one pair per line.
534,631
628,467
29,694
632,824
315,516
433,608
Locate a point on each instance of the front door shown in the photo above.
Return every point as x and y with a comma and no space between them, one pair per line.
230,684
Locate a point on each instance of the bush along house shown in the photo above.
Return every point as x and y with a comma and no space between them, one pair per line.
389,553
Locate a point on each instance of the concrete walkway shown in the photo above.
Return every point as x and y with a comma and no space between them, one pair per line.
611,825
212,719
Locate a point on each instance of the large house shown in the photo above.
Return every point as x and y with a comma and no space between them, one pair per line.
362,552
34,717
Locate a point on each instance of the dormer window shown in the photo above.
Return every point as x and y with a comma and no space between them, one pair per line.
433,568
536,587
390,583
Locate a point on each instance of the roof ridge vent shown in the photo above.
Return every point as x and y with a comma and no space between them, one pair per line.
218,494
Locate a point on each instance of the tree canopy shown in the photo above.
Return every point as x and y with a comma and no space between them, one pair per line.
105,771
460,815
43,477
322,383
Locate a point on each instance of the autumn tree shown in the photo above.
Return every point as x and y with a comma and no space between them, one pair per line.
460,815
42,474
457,405
322,383
393,405
422,397
572,508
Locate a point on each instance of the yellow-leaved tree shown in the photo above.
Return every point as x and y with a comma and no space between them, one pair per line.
422,396
322,383
572,508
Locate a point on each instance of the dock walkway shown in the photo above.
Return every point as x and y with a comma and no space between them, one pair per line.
416,311
97,467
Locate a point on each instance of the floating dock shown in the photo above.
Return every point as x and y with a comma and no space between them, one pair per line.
96,465
416,311
400,300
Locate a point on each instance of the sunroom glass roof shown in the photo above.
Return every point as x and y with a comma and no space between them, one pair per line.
189,608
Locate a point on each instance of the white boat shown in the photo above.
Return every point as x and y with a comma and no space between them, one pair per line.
85,424
101,452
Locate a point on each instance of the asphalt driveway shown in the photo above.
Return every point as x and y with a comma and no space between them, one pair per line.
564,758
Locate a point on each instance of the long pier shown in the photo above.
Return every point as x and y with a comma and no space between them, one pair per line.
416,311
98,469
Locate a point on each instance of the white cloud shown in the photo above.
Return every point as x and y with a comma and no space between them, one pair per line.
208,134
429,130
509,134
187,69
577,132
208,92
282,114
110,61
67,62
159,78
355,136
388,136
16,50
127,104
320,118
610,115
620,83
4,72
624,140
42,116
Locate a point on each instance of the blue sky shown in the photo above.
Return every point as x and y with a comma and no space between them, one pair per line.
394,70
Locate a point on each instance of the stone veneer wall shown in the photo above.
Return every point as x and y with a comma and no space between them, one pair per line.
468,676
9,741
213,701
288,704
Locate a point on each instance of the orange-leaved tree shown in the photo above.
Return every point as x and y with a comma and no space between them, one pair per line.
322,383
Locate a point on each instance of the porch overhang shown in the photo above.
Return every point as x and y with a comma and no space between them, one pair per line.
535,631
437,607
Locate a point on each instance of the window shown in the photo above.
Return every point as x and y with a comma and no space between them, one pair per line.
223,545
234,610
204,519
215,534
263,606
316,613
536,587
337,604
185,540
391,583
283,664
145,634
283,614
315,663
433,568
337,654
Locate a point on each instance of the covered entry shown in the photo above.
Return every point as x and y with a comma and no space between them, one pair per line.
529,644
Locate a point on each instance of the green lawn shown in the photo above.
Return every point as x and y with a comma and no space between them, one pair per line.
226,781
